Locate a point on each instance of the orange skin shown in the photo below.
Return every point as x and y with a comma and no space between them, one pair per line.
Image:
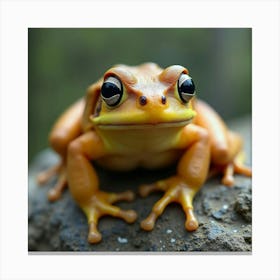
158,131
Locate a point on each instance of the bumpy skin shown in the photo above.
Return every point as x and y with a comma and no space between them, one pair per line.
150,127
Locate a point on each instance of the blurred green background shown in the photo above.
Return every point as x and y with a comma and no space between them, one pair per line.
62,63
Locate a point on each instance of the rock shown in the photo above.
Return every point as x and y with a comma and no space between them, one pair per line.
224,214
243,205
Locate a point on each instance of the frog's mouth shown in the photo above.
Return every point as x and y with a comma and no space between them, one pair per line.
144,125
139,119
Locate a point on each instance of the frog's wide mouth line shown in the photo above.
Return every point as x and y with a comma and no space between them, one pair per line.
145,125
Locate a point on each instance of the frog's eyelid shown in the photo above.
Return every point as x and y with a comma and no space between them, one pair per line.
182,79
114,81
187,96
111,100
170,74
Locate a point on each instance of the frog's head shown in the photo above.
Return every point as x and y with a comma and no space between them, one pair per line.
144,95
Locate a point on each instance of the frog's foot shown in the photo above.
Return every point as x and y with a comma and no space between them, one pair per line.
230,169
100,205
176,190
45,176
236,167
56,191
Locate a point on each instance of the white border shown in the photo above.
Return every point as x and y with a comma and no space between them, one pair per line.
17,16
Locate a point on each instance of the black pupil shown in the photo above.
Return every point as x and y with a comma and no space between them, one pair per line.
109,89
187,86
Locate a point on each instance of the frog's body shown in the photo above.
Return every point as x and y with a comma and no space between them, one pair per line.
146,147
141,116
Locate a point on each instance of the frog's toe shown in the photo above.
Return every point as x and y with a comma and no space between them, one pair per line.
56,192
240,168
228,179
44,176
191,223
111,210
94,236
53,195
149,223
129,216
234,168
145,190
123,196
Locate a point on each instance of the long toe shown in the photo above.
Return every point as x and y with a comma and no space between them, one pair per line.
94,236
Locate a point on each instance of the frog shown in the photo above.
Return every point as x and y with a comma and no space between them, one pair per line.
141,116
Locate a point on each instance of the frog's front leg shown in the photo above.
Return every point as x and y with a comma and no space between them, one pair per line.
191,174
84,185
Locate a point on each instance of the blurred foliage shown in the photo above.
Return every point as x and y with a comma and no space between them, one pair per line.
62,63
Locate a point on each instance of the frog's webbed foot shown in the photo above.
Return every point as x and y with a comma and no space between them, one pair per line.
46,175
100,205
176,190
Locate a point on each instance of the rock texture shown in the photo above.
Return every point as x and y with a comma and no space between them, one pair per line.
224,214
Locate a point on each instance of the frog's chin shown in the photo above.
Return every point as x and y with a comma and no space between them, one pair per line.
124,126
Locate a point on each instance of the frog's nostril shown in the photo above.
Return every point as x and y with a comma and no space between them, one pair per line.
163,99
143,100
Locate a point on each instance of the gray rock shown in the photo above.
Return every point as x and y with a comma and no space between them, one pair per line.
224,214
243,205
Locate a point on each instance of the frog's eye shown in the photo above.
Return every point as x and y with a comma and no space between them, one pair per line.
112,91
186,88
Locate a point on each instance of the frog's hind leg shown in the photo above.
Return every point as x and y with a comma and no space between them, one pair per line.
236,164
226,146
237,167
66,129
